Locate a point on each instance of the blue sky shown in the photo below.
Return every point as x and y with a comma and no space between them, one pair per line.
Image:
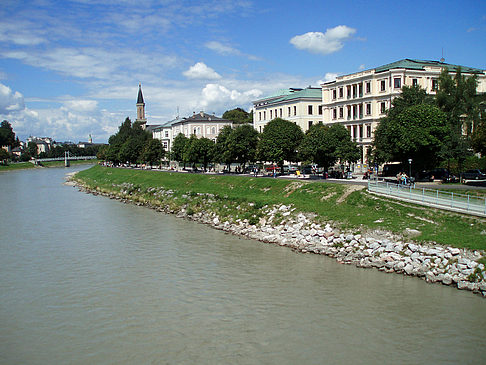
72,68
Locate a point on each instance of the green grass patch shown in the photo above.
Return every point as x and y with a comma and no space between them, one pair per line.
17,166
349,209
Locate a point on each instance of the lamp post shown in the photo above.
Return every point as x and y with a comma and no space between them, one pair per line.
409,167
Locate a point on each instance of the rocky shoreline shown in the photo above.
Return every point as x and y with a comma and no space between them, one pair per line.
284,226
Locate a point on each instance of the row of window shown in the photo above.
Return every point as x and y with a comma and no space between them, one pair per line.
356,90
355,111
291,111
356,131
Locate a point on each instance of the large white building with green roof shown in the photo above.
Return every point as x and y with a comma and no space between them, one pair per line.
301,106
359,100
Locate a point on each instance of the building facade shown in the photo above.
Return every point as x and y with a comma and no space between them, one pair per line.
301,106
359,100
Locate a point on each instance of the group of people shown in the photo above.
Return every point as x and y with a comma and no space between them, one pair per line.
402,178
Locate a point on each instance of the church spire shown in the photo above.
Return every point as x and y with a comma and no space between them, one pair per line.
140,96
140,107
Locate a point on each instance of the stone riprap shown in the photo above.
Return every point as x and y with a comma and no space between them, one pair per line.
283,225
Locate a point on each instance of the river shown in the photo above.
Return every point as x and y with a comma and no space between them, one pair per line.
89,280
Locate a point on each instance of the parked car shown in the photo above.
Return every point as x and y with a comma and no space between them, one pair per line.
473,174
424,176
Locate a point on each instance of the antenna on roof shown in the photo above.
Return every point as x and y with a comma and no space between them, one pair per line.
177,112
442,58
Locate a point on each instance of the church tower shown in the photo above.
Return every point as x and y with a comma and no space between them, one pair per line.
141,108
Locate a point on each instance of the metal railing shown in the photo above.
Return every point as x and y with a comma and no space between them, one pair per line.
464,203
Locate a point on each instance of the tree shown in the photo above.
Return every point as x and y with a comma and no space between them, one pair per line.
153,152
325,145
4,156
242,144
223,152
279,141
32,149
317,148
457,98
238,116
416,132
346,150
178,148
7,135
127,144
199,150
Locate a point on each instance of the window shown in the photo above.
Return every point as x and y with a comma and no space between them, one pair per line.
368,87
166,134
361,131
334,94
264,115
295,110
310,123
280,112
382,85
382,107
368,131
320,109
368,109
414,82
271,111
341,112
213,130
334,113
435,84
259,115
397,82
165,145
289,111
341,92
309,109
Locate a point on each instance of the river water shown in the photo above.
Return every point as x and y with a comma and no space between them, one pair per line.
89,280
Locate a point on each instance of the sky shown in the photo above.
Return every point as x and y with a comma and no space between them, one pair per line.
70,69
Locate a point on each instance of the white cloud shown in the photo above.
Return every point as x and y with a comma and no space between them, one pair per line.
10,101
214,97
328,77
324,43
202,72
81,105
227,50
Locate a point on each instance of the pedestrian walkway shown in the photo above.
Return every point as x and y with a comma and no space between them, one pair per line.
461,203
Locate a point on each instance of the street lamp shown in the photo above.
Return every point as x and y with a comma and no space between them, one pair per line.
409,167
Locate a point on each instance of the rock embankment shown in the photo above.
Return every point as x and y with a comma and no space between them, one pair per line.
283,225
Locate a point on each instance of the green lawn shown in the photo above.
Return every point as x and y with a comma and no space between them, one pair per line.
349,209
29,165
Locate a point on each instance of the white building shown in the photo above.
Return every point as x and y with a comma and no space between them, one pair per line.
301,106
200,124
359,100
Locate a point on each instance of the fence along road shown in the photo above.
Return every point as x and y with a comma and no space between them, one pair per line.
461,203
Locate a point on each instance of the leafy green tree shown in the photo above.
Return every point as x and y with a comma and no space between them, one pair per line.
242,144
325,145
238,116
199,150
127,144
416,132
223,153
317,146
479,136
7,135
4,156
457,98
178,147
279,141
153,152
32,149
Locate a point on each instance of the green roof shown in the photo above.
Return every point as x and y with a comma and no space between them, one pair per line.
294,93
420,65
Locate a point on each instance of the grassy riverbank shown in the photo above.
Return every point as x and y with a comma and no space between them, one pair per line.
30,165
242,197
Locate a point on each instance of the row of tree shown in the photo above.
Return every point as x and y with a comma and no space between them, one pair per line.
281,140
433,130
